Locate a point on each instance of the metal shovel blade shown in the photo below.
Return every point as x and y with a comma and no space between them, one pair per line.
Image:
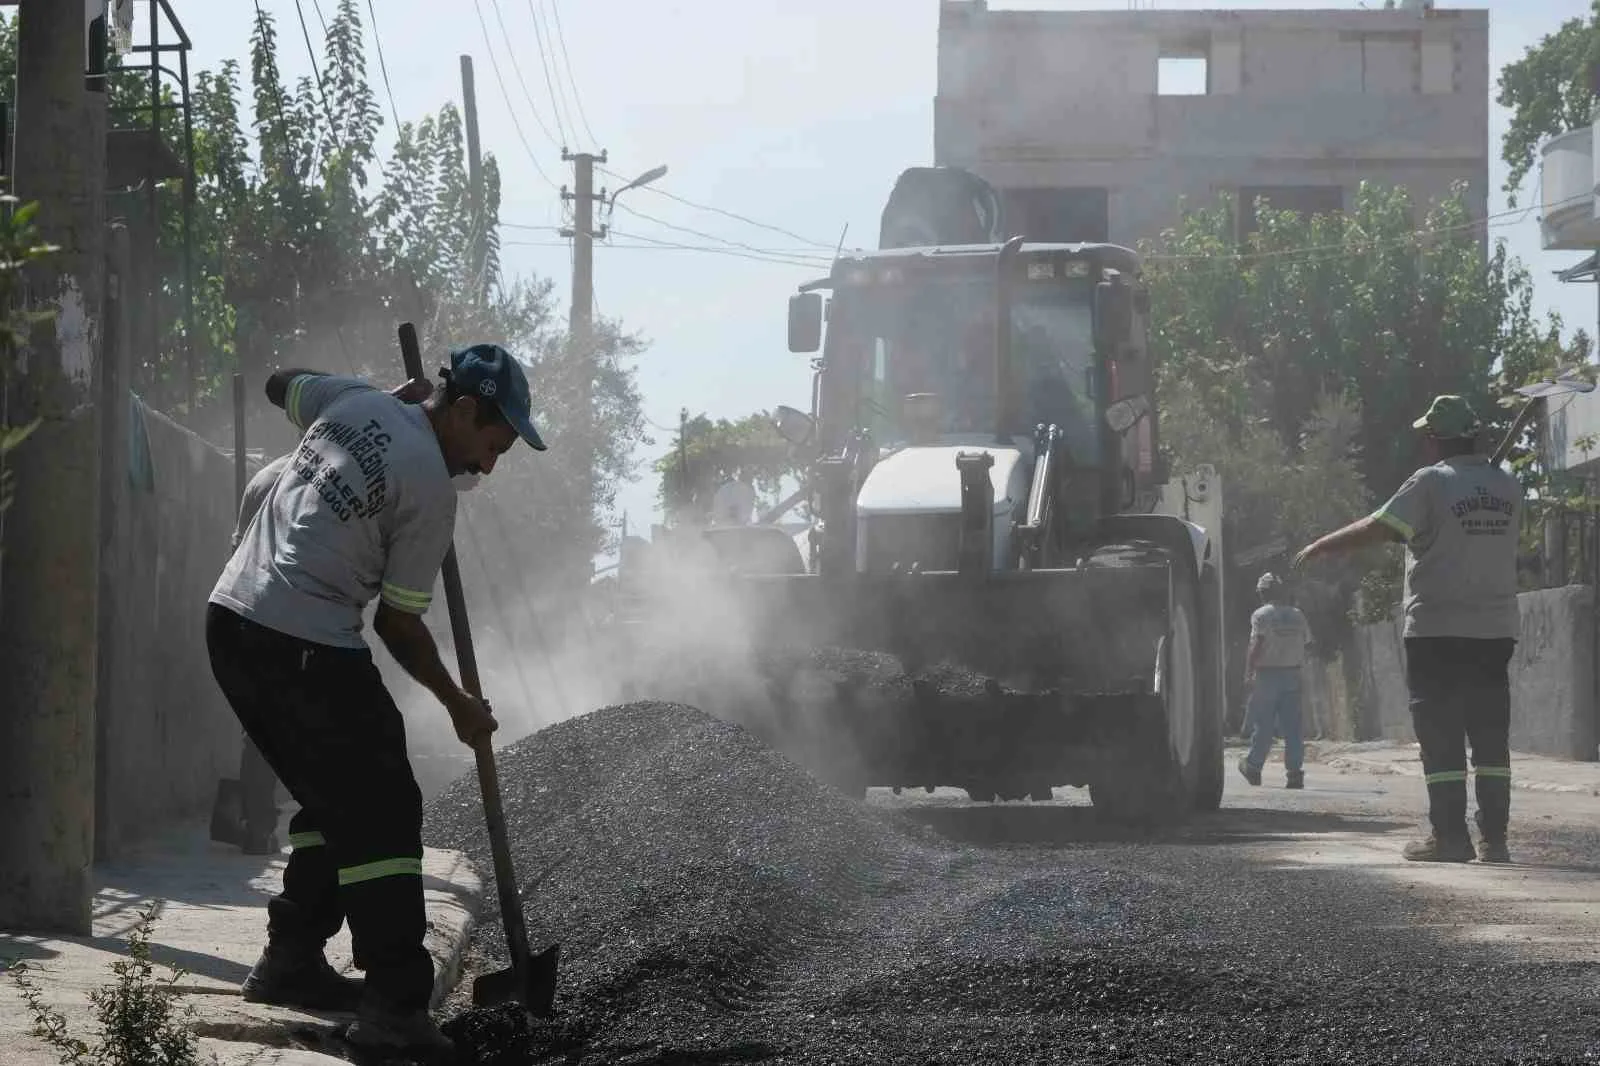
534,986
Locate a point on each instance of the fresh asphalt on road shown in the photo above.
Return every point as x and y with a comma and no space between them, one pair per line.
1284,928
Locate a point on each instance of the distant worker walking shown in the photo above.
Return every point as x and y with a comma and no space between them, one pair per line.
1279,634
1458,518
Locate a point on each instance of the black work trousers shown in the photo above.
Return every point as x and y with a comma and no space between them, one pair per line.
329,729
1461,694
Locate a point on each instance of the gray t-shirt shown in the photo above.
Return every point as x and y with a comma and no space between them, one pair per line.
1284,634
1459,522
365,508
255,494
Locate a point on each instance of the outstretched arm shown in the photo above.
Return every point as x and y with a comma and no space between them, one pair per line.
1362,533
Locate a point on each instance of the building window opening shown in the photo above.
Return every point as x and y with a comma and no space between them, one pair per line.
1183,74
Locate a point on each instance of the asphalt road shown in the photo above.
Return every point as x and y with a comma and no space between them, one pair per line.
1284,928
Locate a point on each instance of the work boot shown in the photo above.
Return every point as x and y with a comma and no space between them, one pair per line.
290,977
1492,843
1251,774
1452,848
385,1030
1294,779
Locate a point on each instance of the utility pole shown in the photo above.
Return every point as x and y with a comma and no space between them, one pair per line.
476,239
583,234
48,630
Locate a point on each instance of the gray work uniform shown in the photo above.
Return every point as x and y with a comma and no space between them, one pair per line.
255,494
1459,519
366,508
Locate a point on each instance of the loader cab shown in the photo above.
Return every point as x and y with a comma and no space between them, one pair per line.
910,356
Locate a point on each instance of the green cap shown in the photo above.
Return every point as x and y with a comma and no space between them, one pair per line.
1448,418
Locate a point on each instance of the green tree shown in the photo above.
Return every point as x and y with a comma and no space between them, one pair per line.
1297,362
309,247
707,453
1549,91
19,246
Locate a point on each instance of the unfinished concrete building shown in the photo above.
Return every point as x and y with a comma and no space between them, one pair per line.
1096,124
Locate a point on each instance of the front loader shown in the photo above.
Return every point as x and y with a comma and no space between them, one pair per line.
1001,590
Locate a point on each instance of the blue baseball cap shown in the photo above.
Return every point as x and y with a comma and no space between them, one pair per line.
491,373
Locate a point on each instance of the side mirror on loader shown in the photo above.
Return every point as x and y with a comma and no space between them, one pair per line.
795,426
1125,414
1113,316
805,321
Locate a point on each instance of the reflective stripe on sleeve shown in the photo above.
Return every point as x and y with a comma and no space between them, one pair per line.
371,871
1395,524
408,600
291,404
311,839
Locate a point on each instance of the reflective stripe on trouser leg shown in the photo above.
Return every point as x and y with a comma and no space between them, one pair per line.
308,911
371,871
1492,786
1438,713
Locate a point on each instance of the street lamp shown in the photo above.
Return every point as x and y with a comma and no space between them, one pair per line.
653,174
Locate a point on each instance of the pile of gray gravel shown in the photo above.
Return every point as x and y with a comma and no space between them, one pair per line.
688,858
715,904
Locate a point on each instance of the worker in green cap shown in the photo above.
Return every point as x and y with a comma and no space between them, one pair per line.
1458,518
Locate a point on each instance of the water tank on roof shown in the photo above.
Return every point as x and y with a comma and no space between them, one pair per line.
1569,219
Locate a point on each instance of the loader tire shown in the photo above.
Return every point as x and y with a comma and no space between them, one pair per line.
1213,773
1159,780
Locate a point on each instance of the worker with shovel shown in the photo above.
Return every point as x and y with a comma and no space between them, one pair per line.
1458,518
366,508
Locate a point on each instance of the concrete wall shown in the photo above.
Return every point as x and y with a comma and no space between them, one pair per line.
1061,99
1553,708
166,733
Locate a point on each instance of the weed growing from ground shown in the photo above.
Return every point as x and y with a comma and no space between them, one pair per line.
140,1019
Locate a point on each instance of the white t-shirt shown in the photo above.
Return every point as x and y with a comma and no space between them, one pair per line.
365,507
1284,633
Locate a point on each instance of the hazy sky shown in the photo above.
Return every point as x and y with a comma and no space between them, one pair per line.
798,115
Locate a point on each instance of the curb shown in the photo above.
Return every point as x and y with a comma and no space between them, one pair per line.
1413,768
236,1032
452,891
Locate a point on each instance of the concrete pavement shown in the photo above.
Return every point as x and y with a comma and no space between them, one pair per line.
211,923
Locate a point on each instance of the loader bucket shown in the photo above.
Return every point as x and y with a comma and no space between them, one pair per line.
1004,685
1089,629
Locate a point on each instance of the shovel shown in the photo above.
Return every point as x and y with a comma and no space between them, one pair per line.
531,979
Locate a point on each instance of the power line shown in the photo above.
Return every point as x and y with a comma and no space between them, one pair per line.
383,66
561,37
799,256
547,57
544,64
664,246
516,67
692,232
316,74
506,96
658,191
